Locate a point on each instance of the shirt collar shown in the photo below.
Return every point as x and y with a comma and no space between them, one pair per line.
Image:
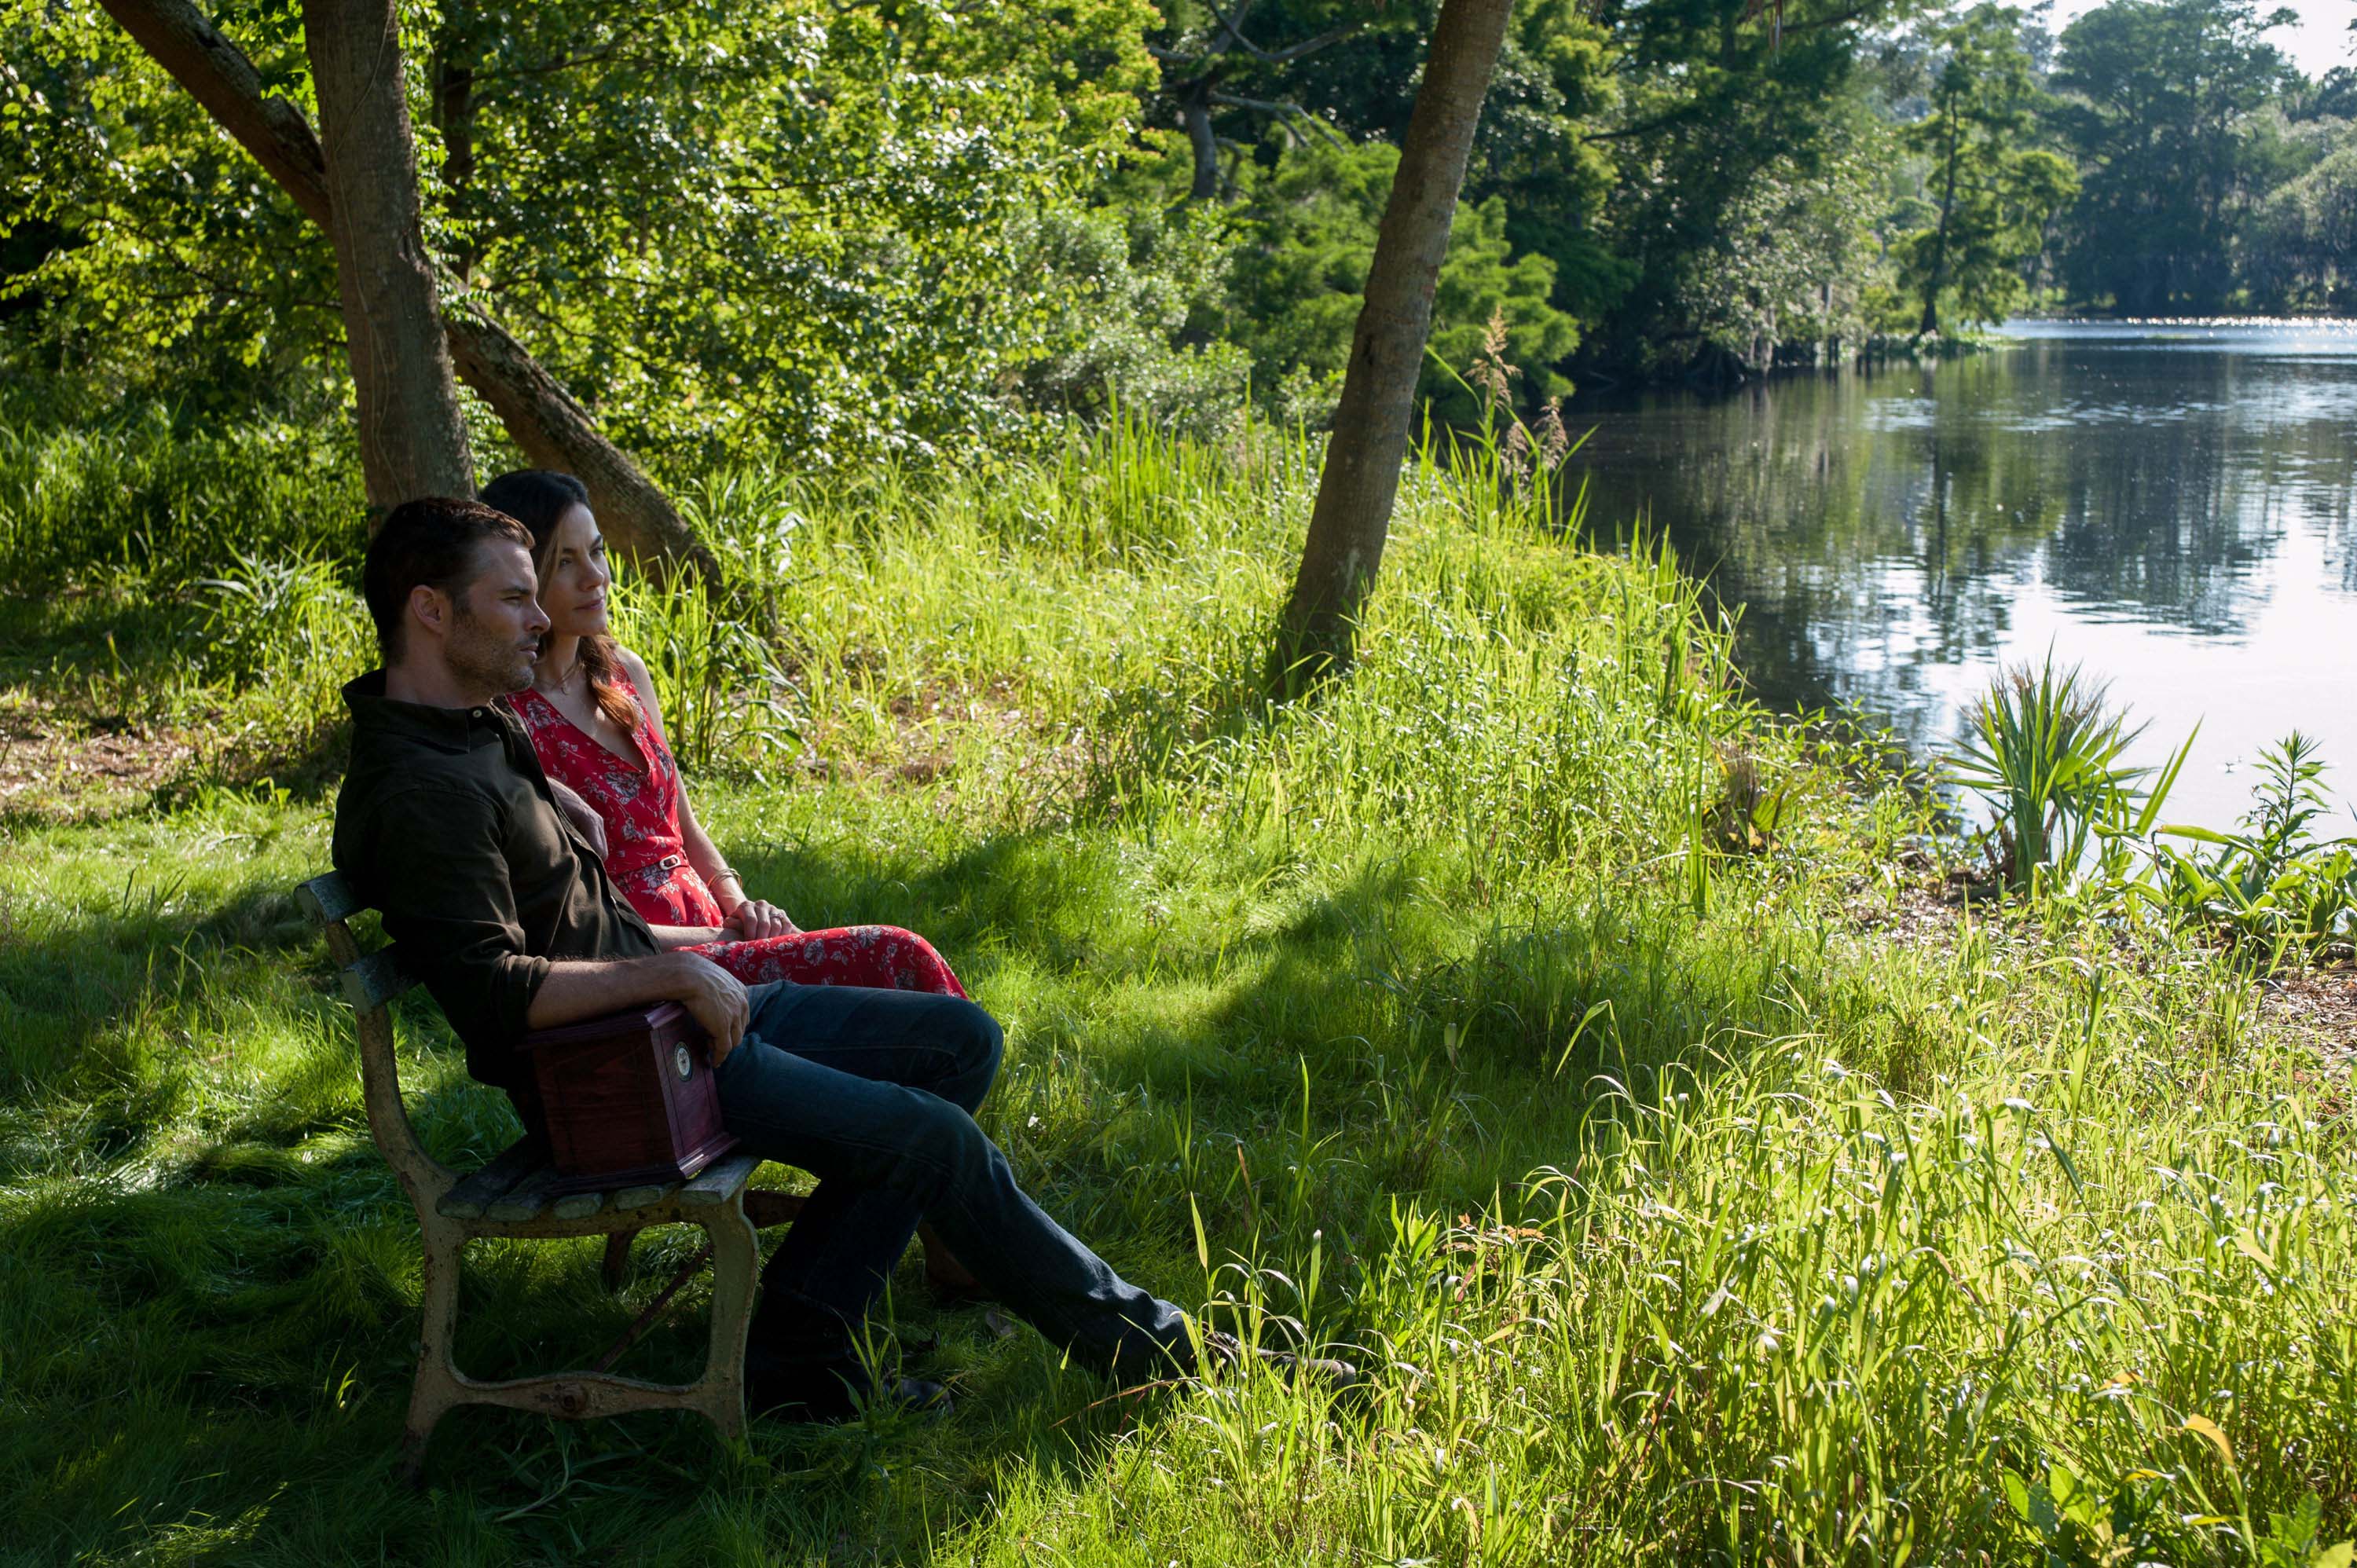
447,729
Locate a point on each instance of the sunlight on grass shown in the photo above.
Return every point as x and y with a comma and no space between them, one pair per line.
1529,1012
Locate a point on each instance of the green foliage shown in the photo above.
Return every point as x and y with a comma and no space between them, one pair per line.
1747,162
1307,236
159,490
2298,251
794,224
1794,255
2275,893
1556,79
1992,196
717,681
1136,297
161,257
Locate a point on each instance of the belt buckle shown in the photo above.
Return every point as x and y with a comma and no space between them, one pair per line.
671,862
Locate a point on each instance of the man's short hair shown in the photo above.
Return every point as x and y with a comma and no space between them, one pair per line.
434,543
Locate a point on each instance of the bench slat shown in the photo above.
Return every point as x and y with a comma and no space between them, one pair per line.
653,1192
577,1204
718,1181
329,897
527,1200
475,1193
372,981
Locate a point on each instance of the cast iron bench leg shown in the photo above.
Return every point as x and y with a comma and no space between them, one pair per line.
437,1386
736,1258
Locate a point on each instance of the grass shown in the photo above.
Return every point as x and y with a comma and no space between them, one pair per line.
1477,1014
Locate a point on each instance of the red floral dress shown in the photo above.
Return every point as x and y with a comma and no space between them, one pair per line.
647,858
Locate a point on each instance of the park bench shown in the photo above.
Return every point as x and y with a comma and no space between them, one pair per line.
513,1195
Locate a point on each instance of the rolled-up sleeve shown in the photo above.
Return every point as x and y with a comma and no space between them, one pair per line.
438,873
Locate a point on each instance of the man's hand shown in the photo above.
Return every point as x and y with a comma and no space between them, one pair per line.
754,918
715,997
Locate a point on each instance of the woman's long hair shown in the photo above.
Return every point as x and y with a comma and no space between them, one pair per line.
538,497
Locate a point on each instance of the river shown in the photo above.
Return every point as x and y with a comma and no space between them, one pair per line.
2167,504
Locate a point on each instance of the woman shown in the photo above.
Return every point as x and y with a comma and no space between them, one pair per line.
591,713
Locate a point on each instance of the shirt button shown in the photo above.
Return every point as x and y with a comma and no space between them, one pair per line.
479,713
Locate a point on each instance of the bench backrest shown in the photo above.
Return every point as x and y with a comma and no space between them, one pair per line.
371,982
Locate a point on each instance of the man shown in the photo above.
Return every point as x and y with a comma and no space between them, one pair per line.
445,823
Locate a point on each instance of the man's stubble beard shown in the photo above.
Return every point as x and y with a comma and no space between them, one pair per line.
482,659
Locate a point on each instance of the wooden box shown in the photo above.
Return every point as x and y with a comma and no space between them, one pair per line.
627,1099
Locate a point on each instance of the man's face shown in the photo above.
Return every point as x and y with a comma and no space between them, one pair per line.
496,623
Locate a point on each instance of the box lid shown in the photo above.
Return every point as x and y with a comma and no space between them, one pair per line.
638,1022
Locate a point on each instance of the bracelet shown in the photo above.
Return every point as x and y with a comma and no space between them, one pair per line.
728,874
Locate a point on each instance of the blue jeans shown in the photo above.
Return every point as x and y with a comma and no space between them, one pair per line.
872,1092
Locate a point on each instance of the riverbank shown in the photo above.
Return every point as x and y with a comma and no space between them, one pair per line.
1530,1012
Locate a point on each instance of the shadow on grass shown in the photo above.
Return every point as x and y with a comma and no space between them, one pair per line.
226,1254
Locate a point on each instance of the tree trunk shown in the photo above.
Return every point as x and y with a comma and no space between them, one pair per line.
454,117
413,437
1361,480
541,418
1930,322
1195,115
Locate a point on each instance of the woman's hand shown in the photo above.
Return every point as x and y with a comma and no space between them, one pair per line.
754,918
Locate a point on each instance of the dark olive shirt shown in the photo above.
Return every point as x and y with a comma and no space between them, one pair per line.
446,825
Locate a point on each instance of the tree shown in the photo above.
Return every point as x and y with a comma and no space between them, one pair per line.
1993,194
791,227
2301,247
1717,124
2164,105
1360,478
1350,80
1206,55
546,424
1789,268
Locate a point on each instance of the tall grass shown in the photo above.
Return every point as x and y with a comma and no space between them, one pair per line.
1683,1215
146,492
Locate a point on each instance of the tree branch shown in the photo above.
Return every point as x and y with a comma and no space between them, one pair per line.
1286,110
1235,32
1234,29
1311,46
217,74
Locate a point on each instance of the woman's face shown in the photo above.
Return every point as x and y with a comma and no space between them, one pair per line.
574,581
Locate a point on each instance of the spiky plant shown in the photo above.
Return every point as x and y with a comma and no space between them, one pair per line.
2046,756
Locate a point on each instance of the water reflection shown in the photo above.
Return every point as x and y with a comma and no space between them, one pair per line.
2170,505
